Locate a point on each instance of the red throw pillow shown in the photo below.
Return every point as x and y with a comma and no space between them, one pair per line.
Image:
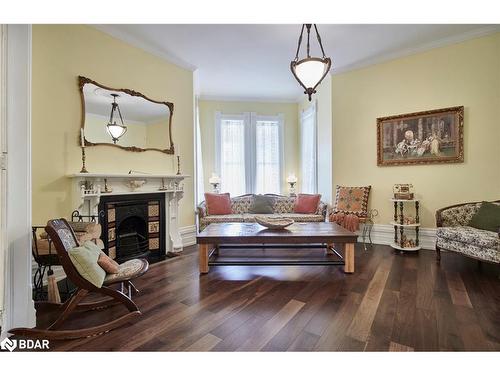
218,204
306,203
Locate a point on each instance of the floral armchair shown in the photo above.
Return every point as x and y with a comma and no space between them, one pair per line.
454,234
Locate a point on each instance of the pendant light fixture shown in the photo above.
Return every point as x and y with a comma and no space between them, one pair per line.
115,130
310,71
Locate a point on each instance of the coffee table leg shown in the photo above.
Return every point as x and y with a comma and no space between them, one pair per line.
203,257
349,258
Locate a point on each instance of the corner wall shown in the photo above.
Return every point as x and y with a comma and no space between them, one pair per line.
60,54
465,74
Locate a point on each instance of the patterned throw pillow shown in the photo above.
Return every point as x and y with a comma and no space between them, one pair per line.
352,200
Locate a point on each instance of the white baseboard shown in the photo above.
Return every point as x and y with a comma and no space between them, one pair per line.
383,234
188,235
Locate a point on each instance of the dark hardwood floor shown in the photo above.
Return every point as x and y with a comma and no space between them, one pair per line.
391,303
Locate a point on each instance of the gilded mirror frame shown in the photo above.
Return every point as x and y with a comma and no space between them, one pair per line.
82,81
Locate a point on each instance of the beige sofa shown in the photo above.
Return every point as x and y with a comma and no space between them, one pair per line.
240,206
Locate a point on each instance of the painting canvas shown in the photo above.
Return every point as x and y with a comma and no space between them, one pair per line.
421,138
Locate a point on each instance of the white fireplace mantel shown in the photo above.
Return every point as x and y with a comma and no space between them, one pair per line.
88,188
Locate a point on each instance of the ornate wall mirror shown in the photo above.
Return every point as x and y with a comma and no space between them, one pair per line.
124,118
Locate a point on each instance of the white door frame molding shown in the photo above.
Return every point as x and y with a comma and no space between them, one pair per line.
18,302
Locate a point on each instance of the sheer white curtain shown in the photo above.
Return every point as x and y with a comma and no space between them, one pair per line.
268,154
308,150
230,137
249,153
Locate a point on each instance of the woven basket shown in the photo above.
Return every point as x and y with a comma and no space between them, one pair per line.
273,223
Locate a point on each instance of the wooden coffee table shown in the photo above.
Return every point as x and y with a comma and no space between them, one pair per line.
303,235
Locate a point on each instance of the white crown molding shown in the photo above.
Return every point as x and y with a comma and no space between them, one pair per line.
478,33
148,47
216,98
171,58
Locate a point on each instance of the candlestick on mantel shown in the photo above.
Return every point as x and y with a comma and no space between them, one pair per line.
82,138
83,170
178,165
82,142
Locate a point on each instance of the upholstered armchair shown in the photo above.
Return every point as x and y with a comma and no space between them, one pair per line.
454,234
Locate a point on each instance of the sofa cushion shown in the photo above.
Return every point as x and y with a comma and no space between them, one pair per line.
262,204
487,217
470,249
352,200
241,204
306,203
218,204
459,215
301,218
283,204
469,235
232,218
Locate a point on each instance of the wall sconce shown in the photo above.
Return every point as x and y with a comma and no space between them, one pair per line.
215,182
291,180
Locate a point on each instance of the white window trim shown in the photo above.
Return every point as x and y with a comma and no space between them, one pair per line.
250,120
311,110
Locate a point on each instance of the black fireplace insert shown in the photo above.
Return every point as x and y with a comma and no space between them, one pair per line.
134,226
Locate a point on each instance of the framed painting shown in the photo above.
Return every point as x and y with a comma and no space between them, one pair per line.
427,137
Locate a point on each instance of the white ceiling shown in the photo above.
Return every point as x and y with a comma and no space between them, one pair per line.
133,108
251,62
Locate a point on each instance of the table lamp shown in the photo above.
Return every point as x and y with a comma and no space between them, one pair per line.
291,180
215,182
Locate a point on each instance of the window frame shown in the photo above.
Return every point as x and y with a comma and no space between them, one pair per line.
250,120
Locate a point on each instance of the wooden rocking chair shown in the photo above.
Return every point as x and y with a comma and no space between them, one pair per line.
64,239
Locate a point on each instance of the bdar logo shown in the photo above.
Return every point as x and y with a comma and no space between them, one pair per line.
8,344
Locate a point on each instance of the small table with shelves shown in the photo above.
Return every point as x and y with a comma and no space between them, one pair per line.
401,224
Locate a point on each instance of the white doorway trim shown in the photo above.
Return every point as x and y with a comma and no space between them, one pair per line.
19,308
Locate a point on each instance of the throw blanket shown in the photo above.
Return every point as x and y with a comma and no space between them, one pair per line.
349,222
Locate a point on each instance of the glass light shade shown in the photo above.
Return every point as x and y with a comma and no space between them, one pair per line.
116,131
291,179
310,72
214,179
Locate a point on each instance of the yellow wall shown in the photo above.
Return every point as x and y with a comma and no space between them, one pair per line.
60,54
157,137
207,111
465,74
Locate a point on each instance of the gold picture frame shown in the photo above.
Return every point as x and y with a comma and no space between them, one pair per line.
427,137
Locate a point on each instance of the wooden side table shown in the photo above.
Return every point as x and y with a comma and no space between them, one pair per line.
400,225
